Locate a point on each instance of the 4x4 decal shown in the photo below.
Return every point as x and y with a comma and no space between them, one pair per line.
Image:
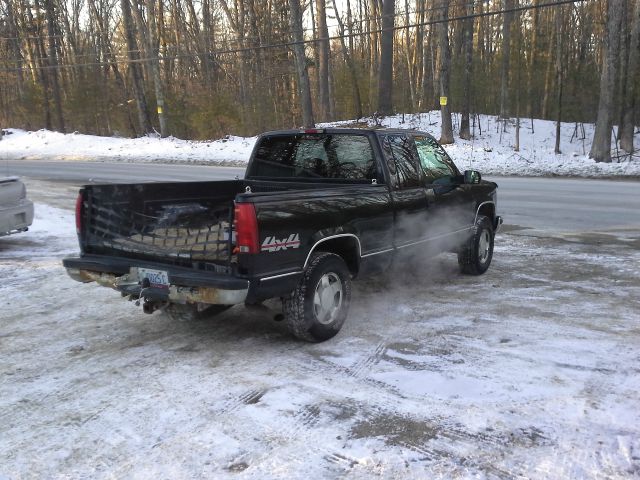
272,244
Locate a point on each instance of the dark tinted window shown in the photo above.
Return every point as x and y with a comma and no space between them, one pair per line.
339,156
434,160
401,148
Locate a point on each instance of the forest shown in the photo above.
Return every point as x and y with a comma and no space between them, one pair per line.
201,69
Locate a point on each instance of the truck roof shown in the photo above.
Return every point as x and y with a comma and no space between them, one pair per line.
376,130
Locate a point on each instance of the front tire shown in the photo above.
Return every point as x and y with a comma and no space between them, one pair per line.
317,308
475,255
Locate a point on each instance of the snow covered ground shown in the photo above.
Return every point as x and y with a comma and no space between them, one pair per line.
530,371
491,151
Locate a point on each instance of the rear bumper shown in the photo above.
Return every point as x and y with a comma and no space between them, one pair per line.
16,218
186,285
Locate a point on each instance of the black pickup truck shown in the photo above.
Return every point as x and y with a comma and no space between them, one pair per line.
316,208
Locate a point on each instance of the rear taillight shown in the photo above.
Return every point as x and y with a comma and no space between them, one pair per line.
79,204
246,228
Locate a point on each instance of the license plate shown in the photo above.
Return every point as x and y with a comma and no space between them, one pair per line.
157,278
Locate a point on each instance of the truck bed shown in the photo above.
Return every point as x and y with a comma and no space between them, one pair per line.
187,224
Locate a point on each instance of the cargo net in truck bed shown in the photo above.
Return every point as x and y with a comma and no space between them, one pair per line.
182,234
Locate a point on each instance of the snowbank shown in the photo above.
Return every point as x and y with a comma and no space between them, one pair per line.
490,151
47,145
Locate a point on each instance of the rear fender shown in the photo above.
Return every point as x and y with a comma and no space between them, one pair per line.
346,245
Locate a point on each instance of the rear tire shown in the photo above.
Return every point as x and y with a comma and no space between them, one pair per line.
189,312
474,257
317,308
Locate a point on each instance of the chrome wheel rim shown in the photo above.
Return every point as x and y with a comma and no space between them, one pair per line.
327,299
484,245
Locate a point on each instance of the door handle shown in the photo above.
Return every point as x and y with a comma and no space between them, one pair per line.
431,194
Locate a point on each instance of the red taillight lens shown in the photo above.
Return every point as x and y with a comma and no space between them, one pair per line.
79,203
246,228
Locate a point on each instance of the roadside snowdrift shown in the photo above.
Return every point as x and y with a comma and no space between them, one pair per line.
491,151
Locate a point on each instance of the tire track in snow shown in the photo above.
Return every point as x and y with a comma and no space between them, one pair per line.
234,403
362,367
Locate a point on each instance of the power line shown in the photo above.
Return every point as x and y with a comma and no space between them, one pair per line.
360,20
303,42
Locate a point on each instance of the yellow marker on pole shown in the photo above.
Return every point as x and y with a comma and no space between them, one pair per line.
159,110
443,101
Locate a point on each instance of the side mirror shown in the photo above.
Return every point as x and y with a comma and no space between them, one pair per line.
472,176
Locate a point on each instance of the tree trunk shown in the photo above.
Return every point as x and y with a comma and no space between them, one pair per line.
418,54
237,21
40,62
350,65
518,80
409,59
632,91
444,61
506,54
135,68
558,24
533,61
323,58
155,68
601,146
53,64
385,74
467,48
373,53
15,48
304,88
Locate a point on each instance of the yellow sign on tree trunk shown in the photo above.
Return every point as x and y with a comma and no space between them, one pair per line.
443,101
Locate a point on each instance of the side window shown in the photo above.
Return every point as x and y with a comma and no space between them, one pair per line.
402,150
341,156
434,161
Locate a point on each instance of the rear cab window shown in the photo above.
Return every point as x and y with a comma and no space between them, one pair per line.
341,156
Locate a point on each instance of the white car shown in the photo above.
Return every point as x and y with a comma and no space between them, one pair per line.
16,212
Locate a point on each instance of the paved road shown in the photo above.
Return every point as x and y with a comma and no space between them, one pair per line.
548,204
567,205
99,172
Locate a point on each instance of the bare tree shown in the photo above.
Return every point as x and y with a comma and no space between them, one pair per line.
372,15
155,68
506,54
385,74
350,64
323,58
558,27
135,68
444,64
631,92
601,146
467,48
304,88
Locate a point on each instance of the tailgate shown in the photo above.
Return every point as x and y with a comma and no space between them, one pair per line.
185,224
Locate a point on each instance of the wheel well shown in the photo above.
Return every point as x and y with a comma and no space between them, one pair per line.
345,247
488,210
